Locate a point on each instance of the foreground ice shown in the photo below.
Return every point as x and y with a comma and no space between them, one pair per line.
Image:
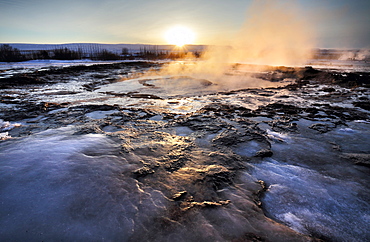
58,186
316,204
63,184
311,188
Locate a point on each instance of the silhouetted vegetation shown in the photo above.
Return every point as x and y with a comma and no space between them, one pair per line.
125,51
107,55
66,54
42,54
10,54
91,51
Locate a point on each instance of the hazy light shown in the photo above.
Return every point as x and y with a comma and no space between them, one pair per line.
180,36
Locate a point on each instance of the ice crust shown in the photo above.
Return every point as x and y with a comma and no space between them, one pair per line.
56,185
312,203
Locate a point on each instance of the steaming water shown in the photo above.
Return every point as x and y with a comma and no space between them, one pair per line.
183,86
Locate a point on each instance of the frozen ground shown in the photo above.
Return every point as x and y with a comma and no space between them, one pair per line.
119,152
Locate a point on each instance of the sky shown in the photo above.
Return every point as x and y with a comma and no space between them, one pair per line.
337,23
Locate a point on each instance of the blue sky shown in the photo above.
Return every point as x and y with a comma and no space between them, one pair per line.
337,23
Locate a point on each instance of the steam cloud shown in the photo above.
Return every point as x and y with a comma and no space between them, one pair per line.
274,33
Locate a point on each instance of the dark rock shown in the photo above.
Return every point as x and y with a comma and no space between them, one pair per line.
146,96
143,171
322,127
358,159
278,107
174,163
88,129
283,96
363,105
250,237
259,193
328,89
352,80
217,177
173,102
20,79
363,98
264,153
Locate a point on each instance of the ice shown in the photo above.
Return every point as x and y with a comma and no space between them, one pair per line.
5,125
39,64
276,136
4,136
249,148
312,203
58,110
183,131
126,86
99,114
71,187
347,130
293,221
362,121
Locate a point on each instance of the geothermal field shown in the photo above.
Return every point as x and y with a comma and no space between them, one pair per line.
171,151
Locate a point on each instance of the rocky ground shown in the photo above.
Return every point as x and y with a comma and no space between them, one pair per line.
198,166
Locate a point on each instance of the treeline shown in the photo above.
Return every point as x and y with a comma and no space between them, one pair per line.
153,52
10,54
93,52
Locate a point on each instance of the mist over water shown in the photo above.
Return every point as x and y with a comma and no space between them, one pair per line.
274,33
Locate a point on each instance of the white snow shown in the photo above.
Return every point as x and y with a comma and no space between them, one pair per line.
33,64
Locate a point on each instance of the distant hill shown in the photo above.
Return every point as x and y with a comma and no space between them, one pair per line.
115,48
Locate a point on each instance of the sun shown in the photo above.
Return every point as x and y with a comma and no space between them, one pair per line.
180,36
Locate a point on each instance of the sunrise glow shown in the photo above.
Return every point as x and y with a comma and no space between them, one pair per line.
180,36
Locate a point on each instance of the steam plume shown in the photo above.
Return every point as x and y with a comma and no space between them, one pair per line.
274,33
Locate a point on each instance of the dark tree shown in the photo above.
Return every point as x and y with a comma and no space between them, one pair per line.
66,54
10,54
107,55
125,51
42,54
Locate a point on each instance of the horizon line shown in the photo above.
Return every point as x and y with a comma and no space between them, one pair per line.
206,45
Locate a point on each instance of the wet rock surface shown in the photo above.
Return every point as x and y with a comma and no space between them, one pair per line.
193,168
